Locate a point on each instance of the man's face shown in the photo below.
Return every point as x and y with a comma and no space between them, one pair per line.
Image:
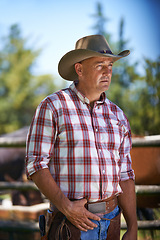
95,74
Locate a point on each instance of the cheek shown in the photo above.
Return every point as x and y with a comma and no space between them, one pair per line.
110,76
93,78
110,71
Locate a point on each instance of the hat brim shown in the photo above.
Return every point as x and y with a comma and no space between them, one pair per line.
66,64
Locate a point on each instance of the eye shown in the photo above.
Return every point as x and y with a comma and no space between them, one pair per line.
99,66
110,66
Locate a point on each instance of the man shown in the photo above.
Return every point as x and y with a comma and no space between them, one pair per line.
79,145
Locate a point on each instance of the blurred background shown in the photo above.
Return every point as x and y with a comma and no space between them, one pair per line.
34,35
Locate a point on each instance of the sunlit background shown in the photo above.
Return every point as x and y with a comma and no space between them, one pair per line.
55,26
43,31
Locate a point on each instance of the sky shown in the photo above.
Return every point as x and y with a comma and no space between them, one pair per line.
55,26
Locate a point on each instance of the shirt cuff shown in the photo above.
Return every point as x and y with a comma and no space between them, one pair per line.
34,166
127,175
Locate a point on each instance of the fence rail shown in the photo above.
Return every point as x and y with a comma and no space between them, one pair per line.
28,226
18,226
12,142
25,186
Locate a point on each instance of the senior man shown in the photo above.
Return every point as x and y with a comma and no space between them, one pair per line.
78,148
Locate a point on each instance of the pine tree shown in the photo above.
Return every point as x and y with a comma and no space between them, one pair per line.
20,90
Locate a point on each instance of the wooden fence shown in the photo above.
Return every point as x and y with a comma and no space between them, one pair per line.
30,226
8,225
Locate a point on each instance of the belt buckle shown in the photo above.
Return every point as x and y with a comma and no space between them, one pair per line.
97,207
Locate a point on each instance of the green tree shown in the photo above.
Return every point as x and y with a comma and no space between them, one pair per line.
20,90
100,21
146,114
122,42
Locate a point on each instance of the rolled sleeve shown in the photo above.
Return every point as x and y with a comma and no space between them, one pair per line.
40,139
125,157
126,169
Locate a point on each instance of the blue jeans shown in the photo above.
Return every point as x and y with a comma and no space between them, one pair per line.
100,233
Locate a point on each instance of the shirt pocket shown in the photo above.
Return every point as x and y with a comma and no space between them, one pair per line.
119,131
111,135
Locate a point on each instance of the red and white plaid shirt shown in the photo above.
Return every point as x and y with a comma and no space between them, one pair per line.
87,150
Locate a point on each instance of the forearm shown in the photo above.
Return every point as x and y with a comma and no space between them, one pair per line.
45,182
74,211
127,202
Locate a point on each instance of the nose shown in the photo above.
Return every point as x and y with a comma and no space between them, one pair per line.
107,70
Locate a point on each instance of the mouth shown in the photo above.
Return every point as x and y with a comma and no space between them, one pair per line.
105,80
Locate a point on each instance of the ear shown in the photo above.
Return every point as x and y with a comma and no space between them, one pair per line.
78,69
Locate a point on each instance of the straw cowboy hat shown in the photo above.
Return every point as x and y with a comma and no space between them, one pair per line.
86,47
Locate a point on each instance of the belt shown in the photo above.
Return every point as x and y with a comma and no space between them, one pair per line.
102,206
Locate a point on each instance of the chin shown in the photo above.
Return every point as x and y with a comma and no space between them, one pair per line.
105,88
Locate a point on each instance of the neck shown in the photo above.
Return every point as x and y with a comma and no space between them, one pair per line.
92,96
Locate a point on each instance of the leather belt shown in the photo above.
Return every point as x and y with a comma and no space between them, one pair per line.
103,206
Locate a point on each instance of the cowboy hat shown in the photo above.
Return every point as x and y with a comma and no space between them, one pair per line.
86,47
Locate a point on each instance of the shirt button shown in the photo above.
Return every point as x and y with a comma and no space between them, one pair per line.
103,171
96,130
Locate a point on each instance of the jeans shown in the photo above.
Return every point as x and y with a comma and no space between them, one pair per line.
100,233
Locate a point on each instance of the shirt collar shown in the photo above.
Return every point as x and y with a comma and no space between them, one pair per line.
85,99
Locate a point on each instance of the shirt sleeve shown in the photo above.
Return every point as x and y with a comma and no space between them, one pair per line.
125,157
41,138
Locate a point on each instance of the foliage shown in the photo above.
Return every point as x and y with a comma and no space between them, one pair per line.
20,90
100,20
146,119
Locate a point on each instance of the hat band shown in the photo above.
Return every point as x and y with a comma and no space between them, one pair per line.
105,51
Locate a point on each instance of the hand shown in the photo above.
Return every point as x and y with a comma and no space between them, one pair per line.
130,235
79,216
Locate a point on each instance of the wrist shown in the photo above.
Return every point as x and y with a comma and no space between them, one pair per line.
67,207
133,227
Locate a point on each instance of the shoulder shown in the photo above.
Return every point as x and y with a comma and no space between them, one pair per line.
55,100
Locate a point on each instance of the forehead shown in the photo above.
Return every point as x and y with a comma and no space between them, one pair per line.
96,60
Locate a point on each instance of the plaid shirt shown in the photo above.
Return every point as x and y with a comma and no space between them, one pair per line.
87,150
